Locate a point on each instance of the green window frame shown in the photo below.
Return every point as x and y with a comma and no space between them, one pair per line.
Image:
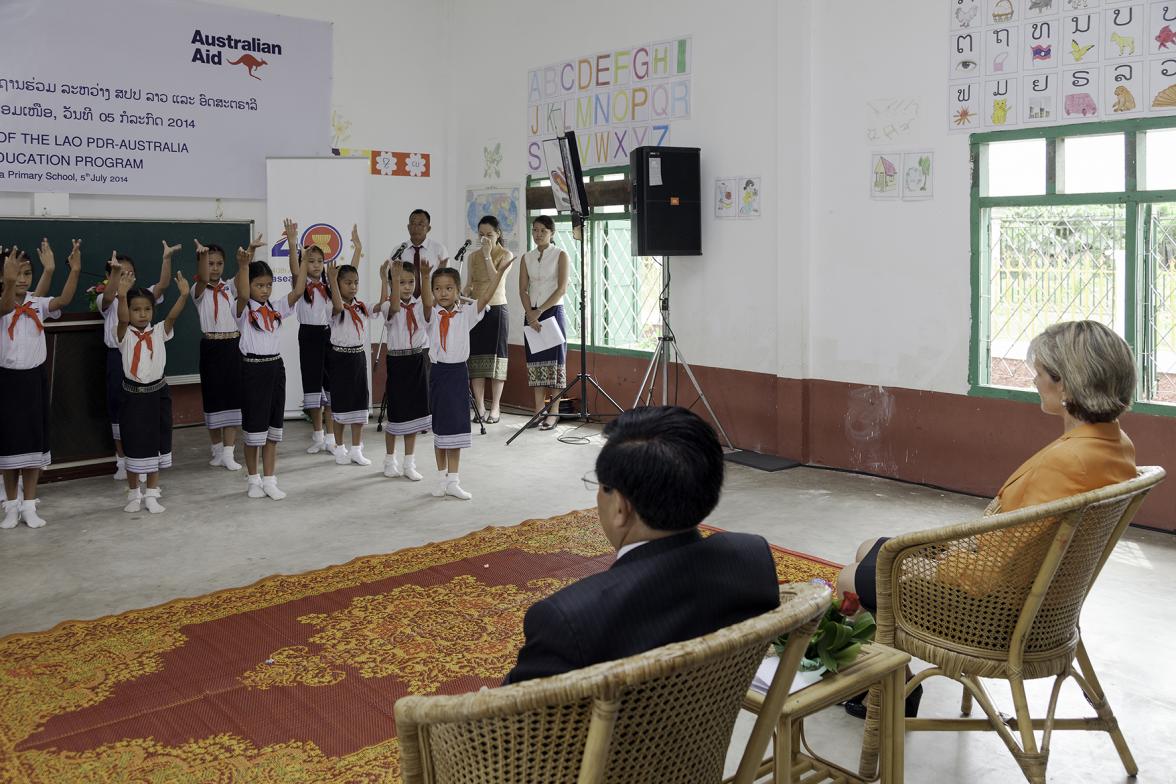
1138,298
620,299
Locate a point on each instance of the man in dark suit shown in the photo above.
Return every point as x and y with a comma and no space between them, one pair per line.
658,476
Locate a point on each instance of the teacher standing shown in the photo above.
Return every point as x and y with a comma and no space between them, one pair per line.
488,345
543,280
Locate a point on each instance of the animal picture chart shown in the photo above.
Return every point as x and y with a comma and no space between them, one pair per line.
1019,63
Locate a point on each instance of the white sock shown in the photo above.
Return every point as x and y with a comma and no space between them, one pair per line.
216,450
355,455
442,482
227,459
255,490
341,457
120,469
391,465
269,486
317,444
410,469
11,514
453,488
151,500
330,439
134,500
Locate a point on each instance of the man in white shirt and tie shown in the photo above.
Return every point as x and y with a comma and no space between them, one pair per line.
421,248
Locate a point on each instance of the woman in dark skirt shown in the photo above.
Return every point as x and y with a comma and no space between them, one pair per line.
543,280
488,347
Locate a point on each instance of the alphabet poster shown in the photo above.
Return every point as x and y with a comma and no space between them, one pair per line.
614,100
1019,63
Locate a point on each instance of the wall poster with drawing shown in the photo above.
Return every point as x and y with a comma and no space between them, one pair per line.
1018,63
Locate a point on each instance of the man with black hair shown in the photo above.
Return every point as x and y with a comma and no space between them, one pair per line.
658,476
420,247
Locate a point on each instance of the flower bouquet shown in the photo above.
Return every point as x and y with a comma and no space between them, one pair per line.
839,636
94,292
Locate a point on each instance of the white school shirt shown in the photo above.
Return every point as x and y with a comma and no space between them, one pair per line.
431,251
110,315
317,312
399,338
216,307
152,353
263,339
346,333
25,349
457,339
542,274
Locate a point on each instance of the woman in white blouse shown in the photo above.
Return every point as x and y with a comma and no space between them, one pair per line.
543,280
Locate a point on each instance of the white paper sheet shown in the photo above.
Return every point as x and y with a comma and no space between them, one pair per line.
767,671
548,335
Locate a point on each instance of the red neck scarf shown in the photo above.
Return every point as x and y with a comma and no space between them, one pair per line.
354,310
269,316
218,289
446,317
28,310
410,318
317,285
142,337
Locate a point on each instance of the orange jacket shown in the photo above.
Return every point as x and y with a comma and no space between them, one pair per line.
1086,458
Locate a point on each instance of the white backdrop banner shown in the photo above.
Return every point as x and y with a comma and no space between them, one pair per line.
157,97
325,214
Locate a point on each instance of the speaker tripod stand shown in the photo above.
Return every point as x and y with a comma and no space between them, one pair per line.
668,351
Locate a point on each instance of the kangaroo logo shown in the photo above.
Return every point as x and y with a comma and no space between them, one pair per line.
251,64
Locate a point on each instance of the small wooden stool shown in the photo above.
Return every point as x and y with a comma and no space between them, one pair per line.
876,664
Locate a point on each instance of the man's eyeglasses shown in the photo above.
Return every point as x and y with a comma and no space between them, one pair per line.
591,482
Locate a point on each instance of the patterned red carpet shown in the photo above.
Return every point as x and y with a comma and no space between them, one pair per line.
293,678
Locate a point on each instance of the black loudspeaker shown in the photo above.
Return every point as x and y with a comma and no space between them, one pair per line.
667,204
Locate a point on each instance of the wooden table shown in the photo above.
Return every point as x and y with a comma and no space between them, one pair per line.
876,664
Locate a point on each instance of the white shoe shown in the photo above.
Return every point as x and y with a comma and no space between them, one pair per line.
255,490
341,457
392,466
355,454
28,513
227,460
134,501
11,514
217,455
269,485
454,489
151,500
410,471
317,443
120,471
329,442
442,483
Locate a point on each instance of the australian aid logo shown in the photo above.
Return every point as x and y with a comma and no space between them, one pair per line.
221,49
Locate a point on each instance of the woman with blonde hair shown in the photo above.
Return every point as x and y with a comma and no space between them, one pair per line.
1085,374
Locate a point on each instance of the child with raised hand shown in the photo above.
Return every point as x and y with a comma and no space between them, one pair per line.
108,306
24,378
450,321
347,365
263,376
407,362
145,416
220,354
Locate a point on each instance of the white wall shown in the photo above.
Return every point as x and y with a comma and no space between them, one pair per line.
725,303
389,81
888,281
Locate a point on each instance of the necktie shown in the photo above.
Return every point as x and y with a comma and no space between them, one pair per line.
410,318
446,317
28,310
219,289
416,262
143,337
316,285
354,310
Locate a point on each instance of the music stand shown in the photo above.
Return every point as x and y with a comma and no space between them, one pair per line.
567,186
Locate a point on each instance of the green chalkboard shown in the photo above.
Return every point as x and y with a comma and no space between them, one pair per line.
142,241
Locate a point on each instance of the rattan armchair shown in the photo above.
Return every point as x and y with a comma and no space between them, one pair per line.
978,604
665,715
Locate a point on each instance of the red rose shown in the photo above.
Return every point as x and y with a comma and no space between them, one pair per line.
850,603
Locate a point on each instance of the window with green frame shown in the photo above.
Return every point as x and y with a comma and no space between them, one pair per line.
1074,222
622,293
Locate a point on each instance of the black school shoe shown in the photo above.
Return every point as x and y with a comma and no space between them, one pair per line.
856,706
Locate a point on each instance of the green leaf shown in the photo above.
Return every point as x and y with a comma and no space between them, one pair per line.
829,661
864,627
847,655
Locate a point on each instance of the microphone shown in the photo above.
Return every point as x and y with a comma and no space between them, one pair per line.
461,253
399,251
